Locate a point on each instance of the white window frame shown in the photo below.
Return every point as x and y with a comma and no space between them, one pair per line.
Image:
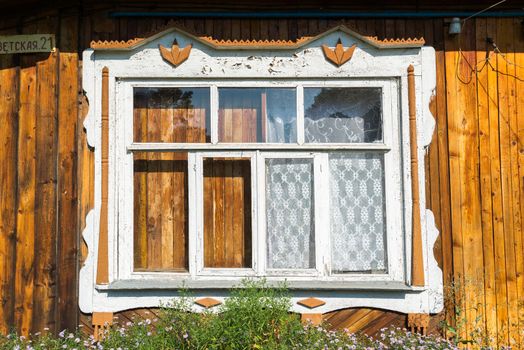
319,208
390,147
198,188
303,63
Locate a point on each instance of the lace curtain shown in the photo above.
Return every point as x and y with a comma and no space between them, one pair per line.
357,212
289,209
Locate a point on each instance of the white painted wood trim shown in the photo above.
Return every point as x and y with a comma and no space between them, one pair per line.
300,115
173,147
201,270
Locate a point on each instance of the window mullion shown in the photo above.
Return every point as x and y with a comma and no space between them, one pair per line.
300,114
322,225
195,190
261,215
214,113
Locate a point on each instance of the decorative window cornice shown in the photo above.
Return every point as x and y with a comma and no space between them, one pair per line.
217,44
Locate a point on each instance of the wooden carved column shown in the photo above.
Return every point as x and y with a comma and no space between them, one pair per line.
417,259
102,274
102,320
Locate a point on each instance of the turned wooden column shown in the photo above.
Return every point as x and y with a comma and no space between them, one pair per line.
102,273
417,258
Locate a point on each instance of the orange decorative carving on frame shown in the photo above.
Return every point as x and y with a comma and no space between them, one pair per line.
250,44
418,323
175,56
417,256
101,321
311,302
102,274
207,302
338,55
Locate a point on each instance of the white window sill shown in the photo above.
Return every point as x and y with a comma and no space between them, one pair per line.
213,284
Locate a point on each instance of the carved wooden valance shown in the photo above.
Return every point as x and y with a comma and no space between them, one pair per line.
217,44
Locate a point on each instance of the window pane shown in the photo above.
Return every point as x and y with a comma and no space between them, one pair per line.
257,115
357,212
171,115
342,115
289,210
160,211
227,212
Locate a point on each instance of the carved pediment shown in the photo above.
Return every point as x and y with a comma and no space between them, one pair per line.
389,43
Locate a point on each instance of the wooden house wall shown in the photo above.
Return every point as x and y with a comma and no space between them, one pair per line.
475,164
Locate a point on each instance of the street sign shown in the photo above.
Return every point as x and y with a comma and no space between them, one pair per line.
27,43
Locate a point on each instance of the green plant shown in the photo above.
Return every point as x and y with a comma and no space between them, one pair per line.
254,317
46,341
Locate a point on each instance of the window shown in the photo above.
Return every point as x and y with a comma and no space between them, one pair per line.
263,178
218,161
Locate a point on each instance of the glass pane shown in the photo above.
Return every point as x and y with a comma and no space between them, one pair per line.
171,115
160,211
257,115
357,212
227,212
289,210
343,115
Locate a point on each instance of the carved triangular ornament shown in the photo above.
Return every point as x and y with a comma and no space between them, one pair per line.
175,56
207,302
311,302
338,55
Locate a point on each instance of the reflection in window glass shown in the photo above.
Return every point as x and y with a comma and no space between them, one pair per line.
171,115
289,210
357,212
227,212
257,115
342,115
160,211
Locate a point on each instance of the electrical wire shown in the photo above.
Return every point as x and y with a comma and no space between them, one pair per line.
487,8
503,55
484,62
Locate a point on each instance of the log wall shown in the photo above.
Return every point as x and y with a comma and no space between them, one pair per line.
475,164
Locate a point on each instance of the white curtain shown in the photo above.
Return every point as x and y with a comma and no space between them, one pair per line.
289,211
357,212
281,115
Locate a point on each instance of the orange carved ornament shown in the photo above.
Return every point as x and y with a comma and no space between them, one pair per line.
175,56
338,55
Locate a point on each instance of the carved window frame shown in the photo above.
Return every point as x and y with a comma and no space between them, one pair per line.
306,60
